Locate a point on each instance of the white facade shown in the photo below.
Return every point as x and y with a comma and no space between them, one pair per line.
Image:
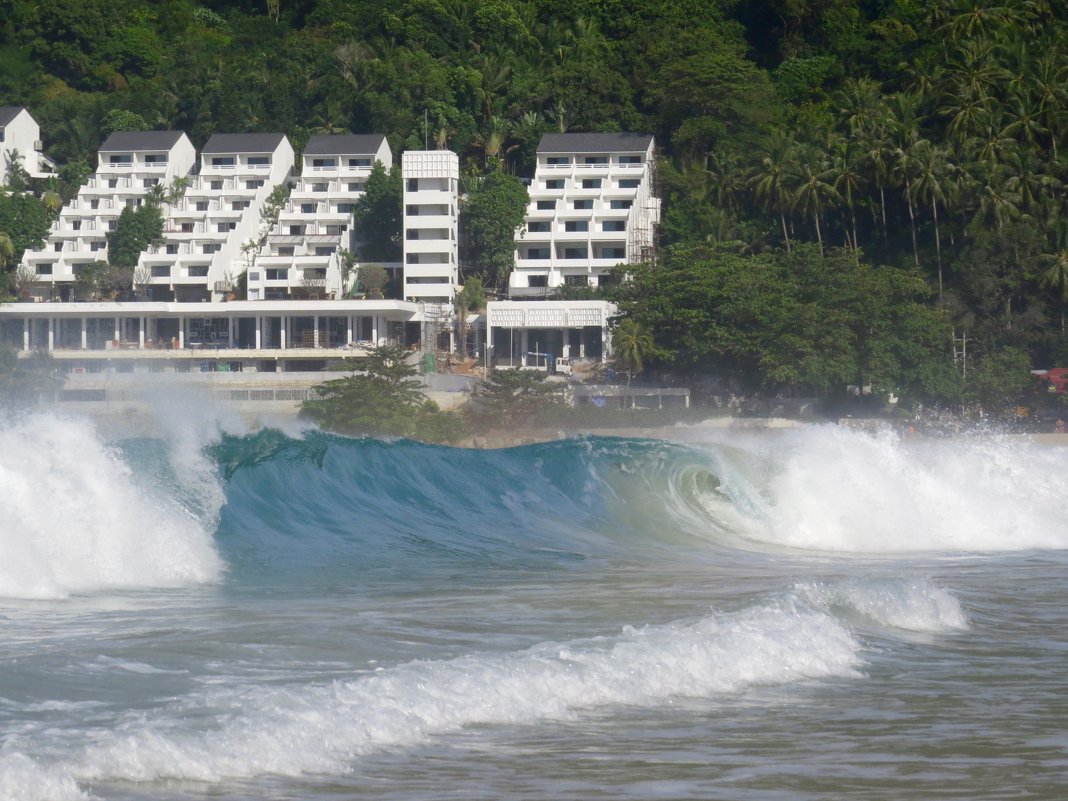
431,187
591,208
20,133
202,253
129,165
301,257
520,333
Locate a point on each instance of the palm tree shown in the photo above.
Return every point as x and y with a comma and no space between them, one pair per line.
770,179
1056,277
812,190
633,344
932,170
846,176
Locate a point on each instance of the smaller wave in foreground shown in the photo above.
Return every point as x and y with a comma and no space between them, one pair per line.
242,732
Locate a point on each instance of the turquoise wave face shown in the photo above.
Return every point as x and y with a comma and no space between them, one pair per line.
317,502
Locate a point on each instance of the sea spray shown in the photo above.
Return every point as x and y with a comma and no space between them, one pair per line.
77,520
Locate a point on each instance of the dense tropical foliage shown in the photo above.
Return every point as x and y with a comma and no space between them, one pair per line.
920,143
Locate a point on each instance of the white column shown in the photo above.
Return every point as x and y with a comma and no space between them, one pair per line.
230,332
282,323
85,333
181,333
51,334
348,330
374,329
118,330
259,332
315,333
524,346
141,323
25,333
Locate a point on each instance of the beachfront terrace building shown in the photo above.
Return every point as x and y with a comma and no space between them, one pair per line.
431,195
592,207
302,256
203,251
129,164
20,138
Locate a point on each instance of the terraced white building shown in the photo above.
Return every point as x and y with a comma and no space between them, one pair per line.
592,207
202,253
301,257
129,165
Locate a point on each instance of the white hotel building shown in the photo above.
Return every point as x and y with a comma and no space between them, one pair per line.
592,207
20,134
301,258
129,164
431,198
202,252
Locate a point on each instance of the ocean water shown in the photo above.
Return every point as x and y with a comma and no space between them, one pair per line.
809,614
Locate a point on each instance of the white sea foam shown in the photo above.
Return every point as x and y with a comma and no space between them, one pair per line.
838,490
77,521
906,604
234,732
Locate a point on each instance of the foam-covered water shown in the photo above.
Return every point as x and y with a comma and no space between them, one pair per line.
809,614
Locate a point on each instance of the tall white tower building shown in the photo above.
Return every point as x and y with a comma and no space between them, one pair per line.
431,187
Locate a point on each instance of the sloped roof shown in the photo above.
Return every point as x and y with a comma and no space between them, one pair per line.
595,143
8,113
243,143
141,140
343,144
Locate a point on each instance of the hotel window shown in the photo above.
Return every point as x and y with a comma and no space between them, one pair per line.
320,187
614,225
359,162
555,183
216,185
57,247
537,253
296,230
94,204
198,272
344,208
596,160
172,249
334,230
323,251
538,227
148,183
161,272
239,205
321,163
44,269
259,161
187,228
307,208
202,205
558,160
544,205
276,275
286,250
212,247
577,225
112,183
575,253
630,183
222,161
155,158
413,184
583,205
355,186
538,281
256,184
613,253
113,224
94,246
576,280
620,204
591,183
120,161
630,159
